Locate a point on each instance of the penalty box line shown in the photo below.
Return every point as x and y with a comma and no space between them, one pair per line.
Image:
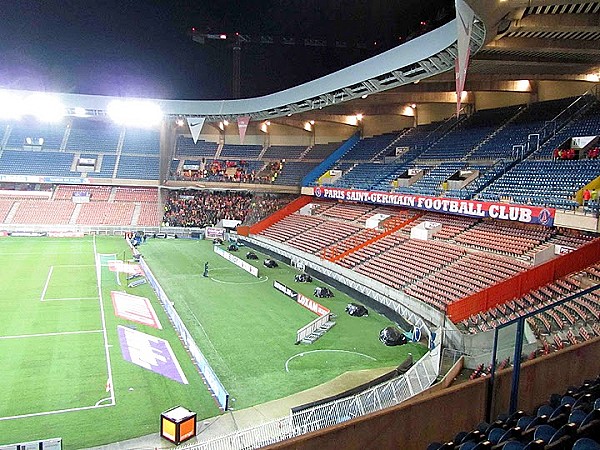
59,411
50,271
58,333
99,404
109,382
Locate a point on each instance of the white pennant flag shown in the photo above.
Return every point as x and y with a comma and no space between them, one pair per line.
242,126
464,21
195,124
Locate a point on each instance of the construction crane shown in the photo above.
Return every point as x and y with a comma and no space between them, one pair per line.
237,39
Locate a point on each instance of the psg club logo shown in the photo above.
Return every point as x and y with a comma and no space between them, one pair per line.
544,217
318,191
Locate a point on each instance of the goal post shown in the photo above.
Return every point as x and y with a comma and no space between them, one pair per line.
103,261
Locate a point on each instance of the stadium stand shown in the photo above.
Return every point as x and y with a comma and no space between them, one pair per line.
93,136
96,193
43,212
27,162
370,147
240,151
107,166
105,213
143,142
185,147
321,151
19,132
566,421
293,172
138,167
279,152
546,183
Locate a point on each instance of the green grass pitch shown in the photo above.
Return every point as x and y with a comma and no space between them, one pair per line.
247,329
59,342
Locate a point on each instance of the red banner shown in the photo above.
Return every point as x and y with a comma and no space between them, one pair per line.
311,305
470,208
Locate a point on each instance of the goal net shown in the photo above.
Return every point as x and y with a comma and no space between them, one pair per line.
108,266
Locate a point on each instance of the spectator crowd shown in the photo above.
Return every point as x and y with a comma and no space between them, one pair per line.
232,171
571,153
201,208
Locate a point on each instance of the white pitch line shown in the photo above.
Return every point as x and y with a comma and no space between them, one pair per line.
317,351
69,298
99,402
58,411
262,279
75,265
42,253
47,282
103,319
58,333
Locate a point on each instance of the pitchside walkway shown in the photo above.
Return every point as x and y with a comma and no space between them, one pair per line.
256,415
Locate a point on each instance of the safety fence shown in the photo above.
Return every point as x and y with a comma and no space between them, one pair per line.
209,375
46,444
237,261
389,393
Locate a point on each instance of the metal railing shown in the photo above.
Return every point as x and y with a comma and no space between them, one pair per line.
389,393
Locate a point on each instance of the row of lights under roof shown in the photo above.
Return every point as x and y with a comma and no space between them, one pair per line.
264,126
49,108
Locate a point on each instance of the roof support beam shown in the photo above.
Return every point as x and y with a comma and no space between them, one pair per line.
558,22
542,45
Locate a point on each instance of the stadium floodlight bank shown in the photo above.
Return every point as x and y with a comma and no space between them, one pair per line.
213,382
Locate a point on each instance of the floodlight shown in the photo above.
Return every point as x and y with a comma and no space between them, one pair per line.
226,122
359,117
41,141
28,141
11,106
44,107
263,128
593,77
312,122
79,111
179,122
136,113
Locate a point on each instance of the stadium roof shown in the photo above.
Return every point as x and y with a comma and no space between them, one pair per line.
512,40
524,40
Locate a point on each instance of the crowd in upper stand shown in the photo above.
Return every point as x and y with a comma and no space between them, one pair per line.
193,208
232,171
571,153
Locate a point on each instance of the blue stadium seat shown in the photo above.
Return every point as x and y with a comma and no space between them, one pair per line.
544,433
586,444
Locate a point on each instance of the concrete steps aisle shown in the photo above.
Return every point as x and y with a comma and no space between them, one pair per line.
11,214
75,215
136,214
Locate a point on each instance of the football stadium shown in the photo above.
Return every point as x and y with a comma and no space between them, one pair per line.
400,254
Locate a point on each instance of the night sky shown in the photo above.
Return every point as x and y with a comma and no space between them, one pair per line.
142,48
